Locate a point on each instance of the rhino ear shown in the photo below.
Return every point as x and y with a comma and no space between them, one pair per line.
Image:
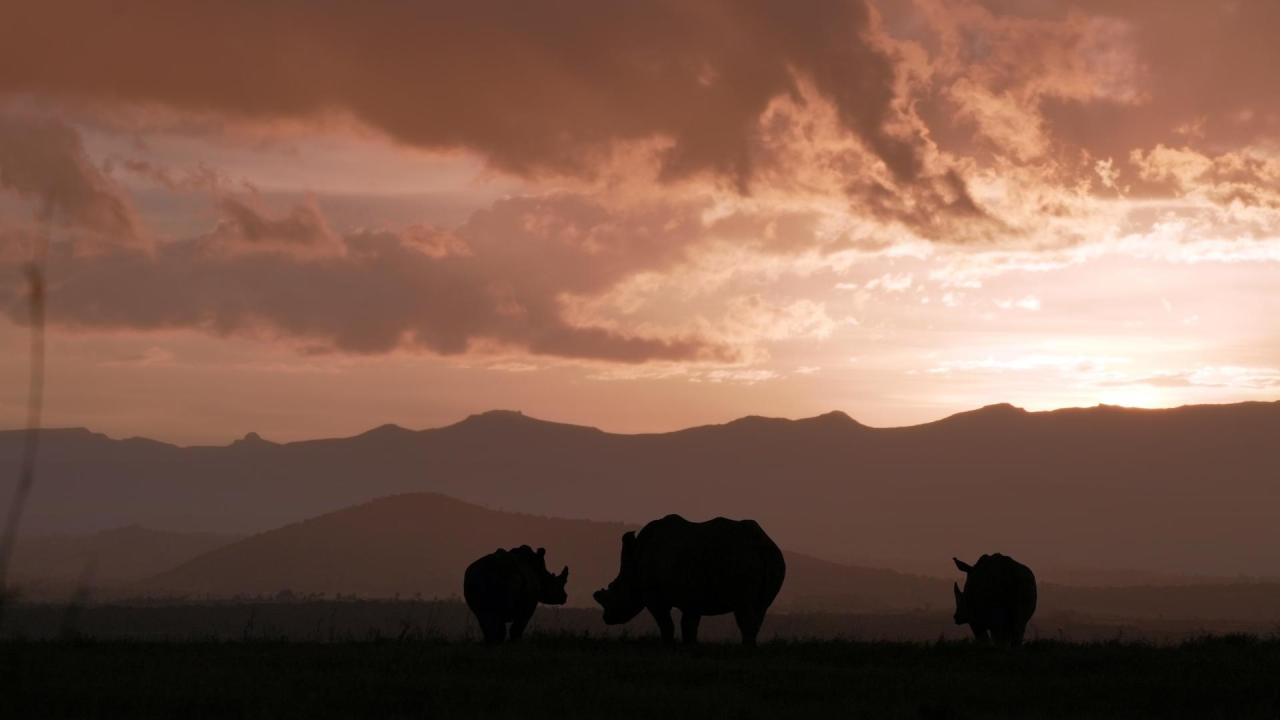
964,566
542,551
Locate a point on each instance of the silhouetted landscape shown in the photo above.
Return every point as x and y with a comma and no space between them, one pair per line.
953,480
663,359
258,547
1101,492
417,545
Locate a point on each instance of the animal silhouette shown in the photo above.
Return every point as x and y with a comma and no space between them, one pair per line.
999,598
708,568
506,587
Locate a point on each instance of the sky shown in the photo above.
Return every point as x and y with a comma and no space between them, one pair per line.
308,219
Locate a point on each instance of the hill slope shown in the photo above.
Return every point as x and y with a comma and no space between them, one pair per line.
421,543
53,566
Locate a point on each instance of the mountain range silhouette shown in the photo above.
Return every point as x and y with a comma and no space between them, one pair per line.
1103,490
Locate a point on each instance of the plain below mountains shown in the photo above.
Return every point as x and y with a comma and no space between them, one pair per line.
1110,491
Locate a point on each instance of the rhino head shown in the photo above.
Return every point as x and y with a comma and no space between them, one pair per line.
623,599
962,605
552,591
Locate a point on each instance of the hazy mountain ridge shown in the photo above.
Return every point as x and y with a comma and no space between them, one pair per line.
54,565
1186,491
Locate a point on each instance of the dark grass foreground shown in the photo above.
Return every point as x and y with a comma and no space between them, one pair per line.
566,677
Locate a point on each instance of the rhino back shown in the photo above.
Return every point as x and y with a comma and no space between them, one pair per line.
711,567
499,582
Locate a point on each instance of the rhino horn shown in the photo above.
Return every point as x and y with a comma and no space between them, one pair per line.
964,566
955,587
564,574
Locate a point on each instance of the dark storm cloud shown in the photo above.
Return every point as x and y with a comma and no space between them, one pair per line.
533,86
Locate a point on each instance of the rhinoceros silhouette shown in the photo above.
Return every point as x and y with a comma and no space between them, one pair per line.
707,568
506,586
999,598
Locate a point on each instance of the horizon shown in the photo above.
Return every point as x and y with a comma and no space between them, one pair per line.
557,421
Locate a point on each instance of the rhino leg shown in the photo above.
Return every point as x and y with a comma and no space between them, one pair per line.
1018,632
980,634
689,627
1001,636
491,625
662,616
749,622
521,620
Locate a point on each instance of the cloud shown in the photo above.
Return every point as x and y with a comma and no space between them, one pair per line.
1205,69
153,356
513,366
374,292
741,376
200,178
667,371
1067,84
1030,302
1066,364
987,70
534,88
752,318
890,282
44,160
303,231
1247,180
1212,376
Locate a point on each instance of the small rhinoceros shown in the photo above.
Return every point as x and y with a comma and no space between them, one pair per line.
708,568
506,587
999,597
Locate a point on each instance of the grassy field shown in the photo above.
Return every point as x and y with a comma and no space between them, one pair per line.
332,620
565,676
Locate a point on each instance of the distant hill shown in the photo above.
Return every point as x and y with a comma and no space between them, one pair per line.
55,565
420,543
1097,492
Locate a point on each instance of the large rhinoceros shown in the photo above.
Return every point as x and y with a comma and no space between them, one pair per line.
506,587
708,568
999,597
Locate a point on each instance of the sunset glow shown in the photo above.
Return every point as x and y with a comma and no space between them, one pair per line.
899,210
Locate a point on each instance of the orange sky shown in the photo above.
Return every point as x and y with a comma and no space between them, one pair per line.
269,217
